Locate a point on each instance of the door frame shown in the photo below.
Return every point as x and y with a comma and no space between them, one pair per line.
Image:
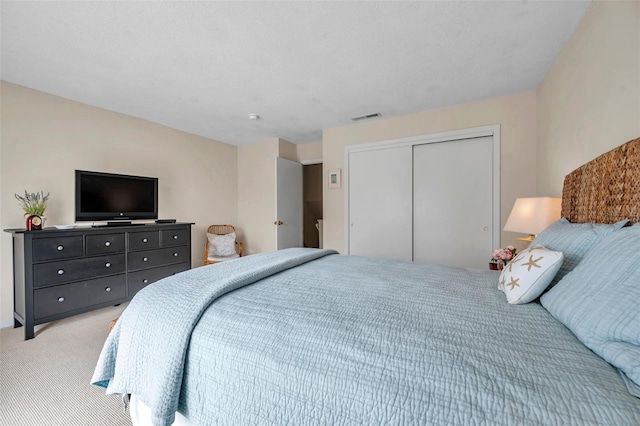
454,135
310,162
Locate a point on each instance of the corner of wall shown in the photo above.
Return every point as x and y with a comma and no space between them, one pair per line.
309,151
287,150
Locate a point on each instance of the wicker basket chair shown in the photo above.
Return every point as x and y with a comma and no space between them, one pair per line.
220,230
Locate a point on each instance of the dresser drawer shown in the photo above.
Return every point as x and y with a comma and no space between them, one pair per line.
68,297
174,237
144,240
79,269
105,244
57,248
140,279
152,258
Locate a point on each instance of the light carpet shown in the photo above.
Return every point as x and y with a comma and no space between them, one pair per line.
45,381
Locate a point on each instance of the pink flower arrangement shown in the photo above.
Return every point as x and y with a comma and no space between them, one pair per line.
504,254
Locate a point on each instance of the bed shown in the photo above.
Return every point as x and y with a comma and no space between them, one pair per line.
307,336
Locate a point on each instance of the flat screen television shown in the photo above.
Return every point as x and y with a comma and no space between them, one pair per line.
109,196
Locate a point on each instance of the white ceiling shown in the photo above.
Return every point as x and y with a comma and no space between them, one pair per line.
202,67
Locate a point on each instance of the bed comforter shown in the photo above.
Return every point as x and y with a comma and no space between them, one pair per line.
304,336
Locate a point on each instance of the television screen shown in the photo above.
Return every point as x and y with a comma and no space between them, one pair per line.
108,196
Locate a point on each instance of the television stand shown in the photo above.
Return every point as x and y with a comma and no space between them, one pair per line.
59,273
117,223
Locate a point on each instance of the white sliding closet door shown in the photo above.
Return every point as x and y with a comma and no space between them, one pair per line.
453,202
380,203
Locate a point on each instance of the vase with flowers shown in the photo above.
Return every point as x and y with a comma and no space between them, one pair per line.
34,206
500,257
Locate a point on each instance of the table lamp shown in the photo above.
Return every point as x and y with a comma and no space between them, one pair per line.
532,215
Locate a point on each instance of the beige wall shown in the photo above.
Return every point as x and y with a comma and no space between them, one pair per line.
589,101
287,150
516,114
45,138
309,151
257,195
257,190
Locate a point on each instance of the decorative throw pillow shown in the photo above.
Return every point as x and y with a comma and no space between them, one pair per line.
600,302
574,240
529,274
222,245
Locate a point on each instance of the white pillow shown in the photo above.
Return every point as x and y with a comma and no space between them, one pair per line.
529,274
222,245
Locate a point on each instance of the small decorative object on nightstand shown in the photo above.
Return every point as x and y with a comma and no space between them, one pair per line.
501,256
495,266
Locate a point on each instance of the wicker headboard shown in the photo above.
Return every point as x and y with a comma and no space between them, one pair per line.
606,189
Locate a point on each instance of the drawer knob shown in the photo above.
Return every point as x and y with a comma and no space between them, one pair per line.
144,259
60,299
60,271
145,281
107,243
175,254
175,237
145,240
108,265
60,248
107,289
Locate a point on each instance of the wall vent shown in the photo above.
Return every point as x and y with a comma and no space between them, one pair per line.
366,117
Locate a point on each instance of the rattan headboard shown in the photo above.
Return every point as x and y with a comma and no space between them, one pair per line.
606,189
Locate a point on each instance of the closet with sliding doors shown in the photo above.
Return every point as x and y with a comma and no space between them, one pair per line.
427,199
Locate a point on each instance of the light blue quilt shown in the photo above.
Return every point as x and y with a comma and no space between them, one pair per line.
304,336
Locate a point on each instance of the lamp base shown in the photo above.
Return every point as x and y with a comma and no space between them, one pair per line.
529,238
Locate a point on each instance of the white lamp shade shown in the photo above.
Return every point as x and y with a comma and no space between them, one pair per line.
532,215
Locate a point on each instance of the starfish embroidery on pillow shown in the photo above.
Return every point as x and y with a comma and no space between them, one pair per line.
533,262
513,283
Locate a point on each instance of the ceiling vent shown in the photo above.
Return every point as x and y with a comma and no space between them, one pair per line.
366,117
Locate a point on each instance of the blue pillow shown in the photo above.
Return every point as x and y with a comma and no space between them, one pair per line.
574,240
599,301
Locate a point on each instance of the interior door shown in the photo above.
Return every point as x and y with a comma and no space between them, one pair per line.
453,202
380,203
288,222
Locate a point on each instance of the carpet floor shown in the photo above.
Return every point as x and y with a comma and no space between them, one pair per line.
45,381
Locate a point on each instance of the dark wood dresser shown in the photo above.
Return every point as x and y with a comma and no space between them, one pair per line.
59,273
